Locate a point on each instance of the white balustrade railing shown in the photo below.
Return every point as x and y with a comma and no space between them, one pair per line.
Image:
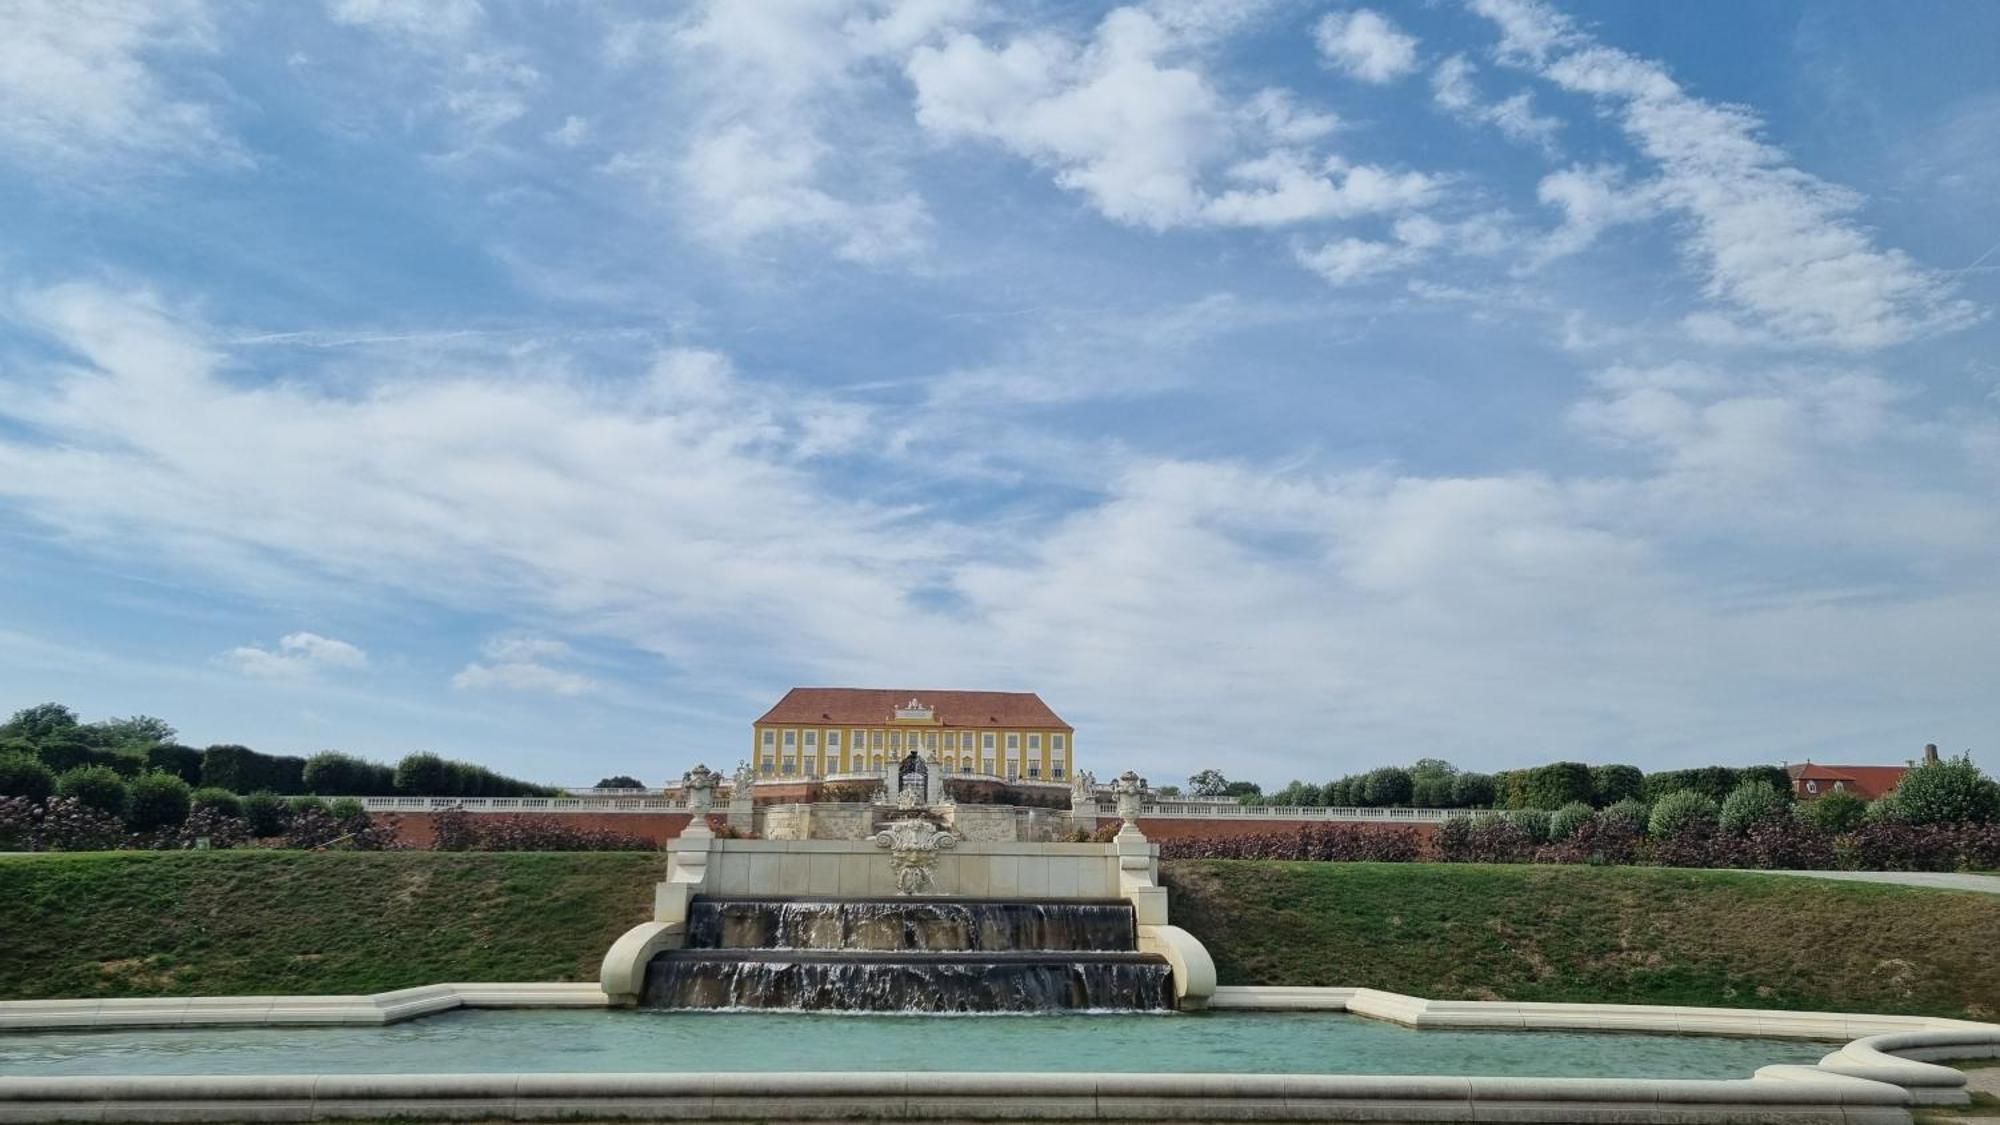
659,804
523,804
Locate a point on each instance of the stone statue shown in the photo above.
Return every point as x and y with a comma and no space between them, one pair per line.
744,779
913,846
698,786
1083,785
1129,788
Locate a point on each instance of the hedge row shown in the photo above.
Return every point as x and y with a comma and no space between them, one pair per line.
1776,843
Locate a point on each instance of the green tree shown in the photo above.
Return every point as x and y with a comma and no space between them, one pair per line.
23,775
158,800
183,762
1838,811
1299,793
1245,792
423,775
1557,784
1947,791
1629,814
620,781
1614,783
1753,801
267,813
1387,787
335,774
139,730
1680,811
1207,783
220,800
41,722
1472,790
1565,821
99,787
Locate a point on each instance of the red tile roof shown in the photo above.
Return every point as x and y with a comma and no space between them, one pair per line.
877,706
1862,781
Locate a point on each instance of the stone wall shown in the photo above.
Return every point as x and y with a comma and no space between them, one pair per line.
415,829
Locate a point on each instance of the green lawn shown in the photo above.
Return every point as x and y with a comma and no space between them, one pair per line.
1615,935
244,922
215,923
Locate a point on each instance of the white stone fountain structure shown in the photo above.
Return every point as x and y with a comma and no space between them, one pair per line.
913,915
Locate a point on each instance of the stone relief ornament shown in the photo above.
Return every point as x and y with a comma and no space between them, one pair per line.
1129,789
698,785
913,846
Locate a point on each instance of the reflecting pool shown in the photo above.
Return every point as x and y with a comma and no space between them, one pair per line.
641,1041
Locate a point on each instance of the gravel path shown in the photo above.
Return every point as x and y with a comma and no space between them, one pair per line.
1935,880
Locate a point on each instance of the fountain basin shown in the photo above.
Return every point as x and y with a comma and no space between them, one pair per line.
628,1041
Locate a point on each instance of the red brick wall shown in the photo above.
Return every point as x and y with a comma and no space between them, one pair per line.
415,829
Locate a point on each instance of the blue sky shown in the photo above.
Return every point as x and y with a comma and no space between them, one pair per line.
1285,387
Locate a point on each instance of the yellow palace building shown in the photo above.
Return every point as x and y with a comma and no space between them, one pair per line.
814,732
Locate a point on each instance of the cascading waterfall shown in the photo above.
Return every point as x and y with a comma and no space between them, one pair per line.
909,955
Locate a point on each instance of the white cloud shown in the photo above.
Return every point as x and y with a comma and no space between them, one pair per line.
1591,199
1688,591
786,137
1514,116
1412,239
523,664
1366,45
480,86
1772,242
82,87
297,656
1128,120
572,132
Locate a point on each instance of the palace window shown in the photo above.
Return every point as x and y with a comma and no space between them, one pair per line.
1058,743
770,764
770,738
833,740
812,739
930,740
989,742
791,738
875,740
895,740
1013,741
1035,770
1056,771
1035,742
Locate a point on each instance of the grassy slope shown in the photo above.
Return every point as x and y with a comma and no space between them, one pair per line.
1633,935
137,924
219,923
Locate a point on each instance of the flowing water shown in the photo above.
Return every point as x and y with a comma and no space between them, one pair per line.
910,955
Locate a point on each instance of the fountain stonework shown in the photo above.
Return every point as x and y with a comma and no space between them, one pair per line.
912,916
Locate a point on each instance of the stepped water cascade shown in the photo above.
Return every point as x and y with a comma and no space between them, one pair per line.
910,954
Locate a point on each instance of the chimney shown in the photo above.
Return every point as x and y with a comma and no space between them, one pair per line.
1930,753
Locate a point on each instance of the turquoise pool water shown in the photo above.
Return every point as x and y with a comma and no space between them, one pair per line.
629,1041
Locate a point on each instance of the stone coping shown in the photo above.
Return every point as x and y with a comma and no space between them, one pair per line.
290,1011
955,1096
1873,1078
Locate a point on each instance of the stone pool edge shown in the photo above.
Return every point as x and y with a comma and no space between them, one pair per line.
1881,1070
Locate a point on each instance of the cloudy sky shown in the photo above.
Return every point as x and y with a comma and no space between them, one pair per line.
1285,387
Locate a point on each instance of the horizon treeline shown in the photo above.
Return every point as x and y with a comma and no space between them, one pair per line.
1433,783
52,734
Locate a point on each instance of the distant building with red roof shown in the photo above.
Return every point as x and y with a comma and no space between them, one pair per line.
815,732
1816,779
